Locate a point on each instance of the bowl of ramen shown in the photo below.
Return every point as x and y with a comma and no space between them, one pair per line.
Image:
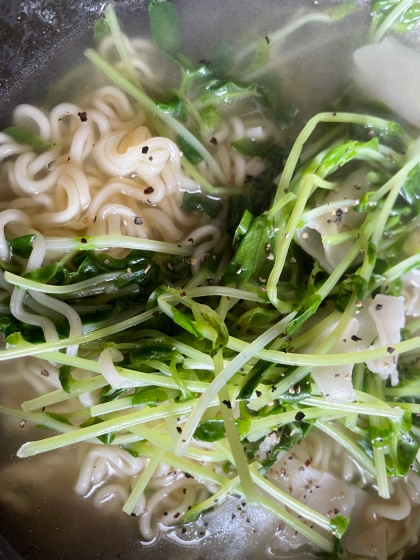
209,280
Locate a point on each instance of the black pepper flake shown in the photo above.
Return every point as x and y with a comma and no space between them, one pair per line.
178,514
191,240
150,158
299,416
233,515
184,490
138,221
165,513
267,40
156,313
83,116
258,393
378,307
213,141
45,373
188,475
183,294
227,403
355,338
202,533
149,190
390,350
134,514
334,114
145,149
83,240
179,429
184,530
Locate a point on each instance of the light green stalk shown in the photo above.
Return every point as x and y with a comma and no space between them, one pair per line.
223,378
143,480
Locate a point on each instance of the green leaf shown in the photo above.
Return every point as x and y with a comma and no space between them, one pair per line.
211,119
52,274
164,25
365,205
59,418
344,294
258,192
251,256
135,257
185,322
153,396
196,202
210,430
242,229
23,136
339,525
189,151
360,284
337,157
66,378
260,57
25,333
221,61
392,134
100,30
409,20
109,394
406,22
404,447
258,371
309,308
144,275
254,320
253,148
105,438
22,246
303,392
281,112
292,434
175,107
8,324
410,189
337,13
219,91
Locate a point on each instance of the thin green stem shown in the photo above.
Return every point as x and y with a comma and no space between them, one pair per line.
143,480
